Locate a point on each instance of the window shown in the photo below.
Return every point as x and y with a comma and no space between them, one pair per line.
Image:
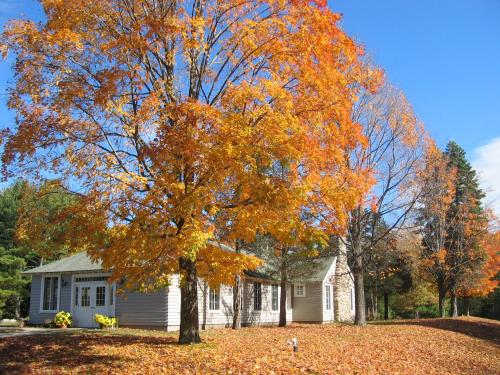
214,299
100,296
257,296
76,296
85,300
328,298
275,304
91,278
300,290
50,293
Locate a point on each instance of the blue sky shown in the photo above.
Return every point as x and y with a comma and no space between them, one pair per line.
445,55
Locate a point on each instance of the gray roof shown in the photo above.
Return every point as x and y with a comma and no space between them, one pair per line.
323,265
77,262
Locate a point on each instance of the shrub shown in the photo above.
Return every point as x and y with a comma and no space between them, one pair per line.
105,321
63,318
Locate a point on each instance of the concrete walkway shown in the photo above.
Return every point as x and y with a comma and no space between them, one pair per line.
27,331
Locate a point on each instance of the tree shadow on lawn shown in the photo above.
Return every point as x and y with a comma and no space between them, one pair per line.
481,329
67,351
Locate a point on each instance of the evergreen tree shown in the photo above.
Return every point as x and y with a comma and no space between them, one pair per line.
34,225
13,258
467,223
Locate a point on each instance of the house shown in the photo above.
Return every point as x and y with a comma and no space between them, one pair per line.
78,285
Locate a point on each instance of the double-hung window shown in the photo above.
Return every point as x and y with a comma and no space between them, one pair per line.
275,301
328,298
50,296
299,290
214,299
257,296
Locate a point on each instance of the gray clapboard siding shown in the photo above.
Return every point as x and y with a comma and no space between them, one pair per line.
37,317
142,309
308,308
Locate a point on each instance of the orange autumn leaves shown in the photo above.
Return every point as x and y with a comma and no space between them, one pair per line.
421,347
181,122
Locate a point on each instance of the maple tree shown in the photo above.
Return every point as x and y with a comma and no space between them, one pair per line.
481,282
163,115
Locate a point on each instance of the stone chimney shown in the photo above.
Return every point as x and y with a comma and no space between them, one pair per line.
342,286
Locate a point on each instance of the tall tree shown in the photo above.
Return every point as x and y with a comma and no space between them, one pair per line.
439,182
165,113
467,223
394,149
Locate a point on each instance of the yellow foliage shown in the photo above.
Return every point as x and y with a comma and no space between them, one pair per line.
190,122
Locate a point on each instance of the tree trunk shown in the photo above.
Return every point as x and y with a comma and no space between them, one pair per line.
284,280
467,305
375,302
237,303
371,311
282,322
359,296
454,304
17,307
189,331
442,298
386,305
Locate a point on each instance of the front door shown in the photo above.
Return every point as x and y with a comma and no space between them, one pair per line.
89,299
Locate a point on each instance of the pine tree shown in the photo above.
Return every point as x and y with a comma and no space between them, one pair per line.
467,223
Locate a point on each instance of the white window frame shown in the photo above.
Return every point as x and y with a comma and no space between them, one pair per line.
273,288
296,290
255,296
328,297
210,291
42,291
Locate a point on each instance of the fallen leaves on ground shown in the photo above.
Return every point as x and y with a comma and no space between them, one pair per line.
439,346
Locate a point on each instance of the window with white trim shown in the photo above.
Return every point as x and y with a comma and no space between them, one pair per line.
50,292
328,298
299,290
85,299
100,296
214,299
257,296
275,299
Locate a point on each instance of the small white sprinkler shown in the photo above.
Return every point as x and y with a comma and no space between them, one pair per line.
295,344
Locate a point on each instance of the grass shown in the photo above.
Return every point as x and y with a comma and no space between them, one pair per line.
438,346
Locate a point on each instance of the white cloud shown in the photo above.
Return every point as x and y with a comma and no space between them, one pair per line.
486,161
